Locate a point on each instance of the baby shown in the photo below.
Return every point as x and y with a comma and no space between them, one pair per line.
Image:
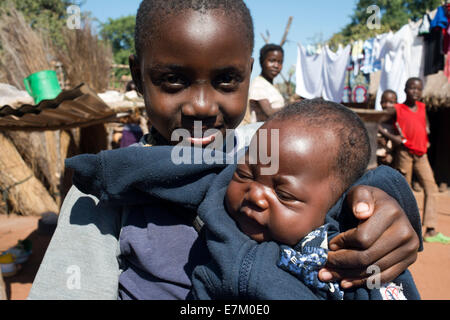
323,149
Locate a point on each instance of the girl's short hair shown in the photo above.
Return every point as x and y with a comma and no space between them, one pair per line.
152,12
266,49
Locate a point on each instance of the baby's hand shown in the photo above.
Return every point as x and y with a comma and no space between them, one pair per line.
384,238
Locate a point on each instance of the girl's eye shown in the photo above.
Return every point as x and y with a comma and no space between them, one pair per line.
173,82
227,81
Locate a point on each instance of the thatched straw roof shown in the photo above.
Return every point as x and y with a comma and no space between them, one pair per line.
436,93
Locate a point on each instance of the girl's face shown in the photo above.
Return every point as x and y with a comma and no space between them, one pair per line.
197,68
272,65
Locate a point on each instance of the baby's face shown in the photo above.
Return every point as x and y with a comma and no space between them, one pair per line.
388,100
197,69
286,206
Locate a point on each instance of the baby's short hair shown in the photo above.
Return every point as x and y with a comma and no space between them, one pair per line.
266,49
152,12
353,152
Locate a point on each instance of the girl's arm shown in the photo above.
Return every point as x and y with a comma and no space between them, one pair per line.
81,261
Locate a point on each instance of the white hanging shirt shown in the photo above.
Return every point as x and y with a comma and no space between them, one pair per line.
334,70
403,59
322,75
308,74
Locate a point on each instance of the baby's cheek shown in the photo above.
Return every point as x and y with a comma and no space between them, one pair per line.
232,202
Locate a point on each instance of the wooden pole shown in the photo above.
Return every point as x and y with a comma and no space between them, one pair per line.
2,287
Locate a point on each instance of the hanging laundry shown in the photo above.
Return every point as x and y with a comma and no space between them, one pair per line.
425,25
403,58
417,63
447,46
440,20
322,75
434,57
446,32
311,50
447,68
356,87
335,65
357,55
372,53
308,74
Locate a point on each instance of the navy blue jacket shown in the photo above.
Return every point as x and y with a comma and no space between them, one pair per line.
239,268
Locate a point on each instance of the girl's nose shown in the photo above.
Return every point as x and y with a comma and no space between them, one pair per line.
201,102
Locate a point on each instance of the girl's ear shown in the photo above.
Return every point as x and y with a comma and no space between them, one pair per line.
136,72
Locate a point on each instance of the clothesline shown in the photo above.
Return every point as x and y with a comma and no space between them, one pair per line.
416,50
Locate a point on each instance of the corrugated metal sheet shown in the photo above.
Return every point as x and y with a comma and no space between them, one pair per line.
78,107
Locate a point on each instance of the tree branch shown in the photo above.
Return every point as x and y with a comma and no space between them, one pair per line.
286,31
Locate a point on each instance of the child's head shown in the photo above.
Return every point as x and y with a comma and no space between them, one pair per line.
413,89
271,58
193,63
388,99
323,148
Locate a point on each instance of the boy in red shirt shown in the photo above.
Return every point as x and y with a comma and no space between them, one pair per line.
411,155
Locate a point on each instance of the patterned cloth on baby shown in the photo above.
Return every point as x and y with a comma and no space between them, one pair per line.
306,259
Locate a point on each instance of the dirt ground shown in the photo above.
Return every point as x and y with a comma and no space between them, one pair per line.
430,271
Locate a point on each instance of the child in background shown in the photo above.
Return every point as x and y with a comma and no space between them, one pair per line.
193,64
132,131
385,151
411,156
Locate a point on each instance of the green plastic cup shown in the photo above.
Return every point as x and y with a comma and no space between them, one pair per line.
42,85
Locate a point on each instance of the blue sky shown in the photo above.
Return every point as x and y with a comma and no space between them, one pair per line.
313,19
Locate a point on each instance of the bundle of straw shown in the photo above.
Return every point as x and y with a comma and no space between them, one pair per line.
436,93
25,51
41,153
26,193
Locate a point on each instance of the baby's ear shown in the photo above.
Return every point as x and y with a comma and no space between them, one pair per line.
136,72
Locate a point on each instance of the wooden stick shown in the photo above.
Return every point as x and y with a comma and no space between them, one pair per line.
2,287
286,31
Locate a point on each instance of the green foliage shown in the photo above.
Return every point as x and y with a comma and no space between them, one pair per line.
120,33
46,15
394,14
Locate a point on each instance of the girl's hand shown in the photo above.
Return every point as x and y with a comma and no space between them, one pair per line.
384,238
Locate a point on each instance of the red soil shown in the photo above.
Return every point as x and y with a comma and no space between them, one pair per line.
430,271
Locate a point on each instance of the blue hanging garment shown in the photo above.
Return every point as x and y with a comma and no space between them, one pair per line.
440,20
